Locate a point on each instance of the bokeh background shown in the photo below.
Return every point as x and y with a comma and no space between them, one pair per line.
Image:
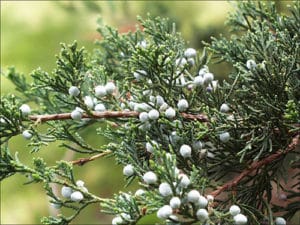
30,35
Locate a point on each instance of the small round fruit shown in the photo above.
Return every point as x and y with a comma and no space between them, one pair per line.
150,177
76,115
128,170
280,221
100,107
190,52
251,64
202,214
182,105
193,196
184,180
100,91
76,196
25,109
208,77
74,91
185,151
198,81
27,134
66,191
224,137
175,202
224,108
234,210
164,212
240,219
165,189
153,114
170,113
110,87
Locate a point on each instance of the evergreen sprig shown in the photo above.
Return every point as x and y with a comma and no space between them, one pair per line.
203,151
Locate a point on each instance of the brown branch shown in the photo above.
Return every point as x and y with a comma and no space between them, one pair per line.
107,114
257,165
83,161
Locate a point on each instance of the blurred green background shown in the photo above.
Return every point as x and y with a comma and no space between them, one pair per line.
30,35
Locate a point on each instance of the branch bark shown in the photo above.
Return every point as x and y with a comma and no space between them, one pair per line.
107,114
256,165
83,161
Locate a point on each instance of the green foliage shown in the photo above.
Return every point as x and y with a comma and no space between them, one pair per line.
248,118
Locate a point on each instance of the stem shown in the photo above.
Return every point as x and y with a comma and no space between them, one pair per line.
257,165
107,114
82,161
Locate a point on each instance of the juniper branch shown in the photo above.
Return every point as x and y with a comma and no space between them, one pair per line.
107,114
83,161
256,165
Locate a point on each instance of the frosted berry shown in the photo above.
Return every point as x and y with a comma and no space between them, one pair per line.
198,81
224,137
152,98
153,114
181,62
182,105
208,77
163,107
117,221
280,221
150,177
170,113
27,134
100,91
210,198
240,219
66,191
175,202
100,107
197,145
203,71
143,117
150,146
165,189
76,115
224,108
202,214
110,87
184,180
25,109
76,196
139,192
234,210
79,183
185,151
202,202
74,91
164,212
128,170
140,107
251,64
88,101
159,100
193,196
191,61
190,52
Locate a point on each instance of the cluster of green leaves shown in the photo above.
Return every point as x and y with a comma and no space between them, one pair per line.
145,65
